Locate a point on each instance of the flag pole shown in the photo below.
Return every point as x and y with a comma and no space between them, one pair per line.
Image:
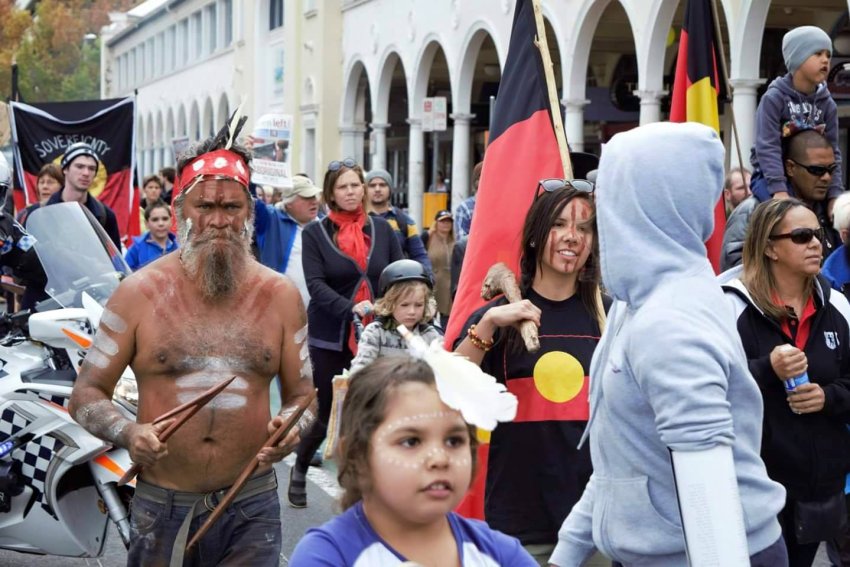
554,105
726,80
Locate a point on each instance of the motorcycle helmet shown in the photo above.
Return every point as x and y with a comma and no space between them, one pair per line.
402,271
76,150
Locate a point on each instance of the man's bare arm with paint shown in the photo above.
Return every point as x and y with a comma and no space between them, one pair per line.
296,375
91,401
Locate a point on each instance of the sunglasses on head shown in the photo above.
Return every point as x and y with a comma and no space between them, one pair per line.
818,170
336,164
554,184
801,235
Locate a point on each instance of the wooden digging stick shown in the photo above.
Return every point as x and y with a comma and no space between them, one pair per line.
192,406
500,279
228,498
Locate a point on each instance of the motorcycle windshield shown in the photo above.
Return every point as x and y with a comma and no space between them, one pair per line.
76,254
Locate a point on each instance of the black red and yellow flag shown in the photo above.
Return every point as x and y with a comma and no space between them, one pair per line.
697,88
41,132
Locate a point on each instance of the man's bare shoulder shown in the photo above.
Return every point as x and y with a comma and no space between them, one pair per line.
148,285
283,287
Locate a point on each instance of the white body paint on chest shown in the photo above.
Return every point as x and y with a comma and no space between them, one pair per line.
192,385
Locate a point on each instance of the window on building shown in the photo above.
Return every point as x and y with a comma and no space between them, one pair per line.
184,42
140,62
212,27
170,48
275,14
198,34
227,17
149,59
159,49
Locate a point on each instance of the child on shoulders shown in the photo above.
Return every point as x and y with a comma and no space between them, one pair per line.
798,101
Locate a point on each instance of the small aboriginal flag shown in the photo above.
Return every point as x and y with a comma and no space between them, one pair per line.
41,132
522,151
697,88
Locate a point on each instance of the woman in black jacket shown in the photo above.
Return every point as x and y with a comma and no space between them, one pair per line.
791,324
343,256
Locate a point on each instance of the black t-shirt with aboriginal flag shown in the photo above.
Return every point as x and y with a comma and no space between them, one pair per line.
535,472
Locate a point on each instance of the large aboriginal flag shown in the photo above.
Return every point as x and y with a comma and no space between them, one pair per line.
696,90
41,132
522,150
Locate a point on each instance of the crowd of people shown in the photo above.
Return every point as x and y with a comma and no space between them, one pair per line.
668,415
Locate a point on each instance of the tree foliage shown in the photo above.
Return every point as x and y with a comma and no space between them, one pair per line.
58,53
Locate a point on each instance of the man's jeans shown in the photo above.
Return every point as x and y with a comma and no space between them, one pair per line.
249,532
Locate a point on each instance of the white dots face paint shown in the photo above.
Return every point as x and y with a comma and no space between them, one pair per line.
219,162
105,344
113,322
97,359
387,450
198,165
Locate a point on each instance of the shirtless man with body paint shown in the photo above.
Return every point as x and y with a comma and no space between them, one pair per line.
183,324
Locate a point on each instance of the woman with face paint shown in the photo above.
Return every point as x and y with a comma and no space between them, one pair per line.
535,473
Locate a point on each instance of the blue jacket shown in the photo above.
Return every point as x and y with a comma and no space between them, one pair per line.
144,250
275,231
836,268
410,241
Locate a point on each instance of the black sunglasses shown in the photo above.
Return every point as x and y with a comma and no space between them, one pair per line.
818,170
336,164
554,184
801,235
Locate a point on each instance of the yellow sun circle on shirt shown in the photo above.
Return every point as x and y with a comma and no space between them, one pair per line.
558,376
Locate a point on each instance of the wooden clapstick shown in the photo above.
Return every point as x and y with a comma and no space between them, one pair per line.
500,279
246,473
191,408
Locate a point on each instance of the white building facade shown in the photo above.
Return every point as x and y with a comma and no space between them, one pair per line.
354,73
190,63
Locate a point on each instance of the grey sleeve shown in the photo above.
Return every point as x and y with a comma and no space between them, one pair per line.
369,347
769,141
733,238
836,187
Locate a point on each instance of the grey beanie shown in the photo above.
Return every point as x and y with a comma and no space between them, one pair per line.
380,174
801,43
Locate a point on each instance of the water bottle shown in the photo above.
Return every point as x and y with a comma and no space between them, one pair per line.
792,383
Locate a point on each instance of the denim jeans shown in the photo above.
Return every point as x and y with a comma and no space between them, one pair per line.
249,533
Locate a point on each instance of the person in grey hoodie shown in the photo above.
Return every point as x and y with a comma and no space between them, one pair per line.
675,415
797,101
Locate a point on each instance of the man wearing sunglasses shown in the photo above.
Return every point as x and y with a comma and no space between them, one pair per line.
809,166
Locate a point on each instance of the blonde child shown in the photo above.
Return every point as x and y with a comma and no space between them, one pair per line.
406,298
405,461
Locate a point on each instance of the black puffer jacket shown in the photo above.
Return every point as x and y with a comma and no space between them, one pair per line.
809,454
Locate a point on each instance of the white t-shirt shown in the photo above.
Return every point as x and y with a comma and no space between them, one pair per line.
295,269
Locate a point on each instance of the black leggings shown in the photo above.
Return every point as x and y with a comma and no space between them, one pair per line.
799,554
326,365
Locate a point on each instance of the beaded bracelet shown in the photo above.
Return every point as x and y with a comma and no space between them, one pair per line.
477,341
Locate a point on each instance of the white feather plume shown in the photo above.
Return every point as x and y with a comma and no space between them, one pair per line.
462,385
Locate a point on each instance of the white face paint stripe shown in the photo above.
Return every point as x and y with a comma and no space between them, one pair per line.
113,322
105,344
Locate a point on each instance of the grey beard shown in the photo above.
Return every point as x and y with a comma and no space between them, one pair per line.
216,268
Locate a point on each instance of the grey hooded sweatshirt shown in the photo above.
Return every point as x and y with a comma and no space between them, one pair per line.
670,372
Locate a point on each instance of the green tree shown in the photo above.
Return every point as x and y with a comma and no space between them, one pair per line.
56,61
14,24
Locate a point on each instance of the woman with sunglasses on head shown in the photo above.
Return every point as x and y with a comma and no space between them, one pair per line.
795,336
343,257
535,473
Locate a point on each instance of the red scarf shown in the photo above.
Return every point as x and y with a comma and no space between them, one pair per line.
354,243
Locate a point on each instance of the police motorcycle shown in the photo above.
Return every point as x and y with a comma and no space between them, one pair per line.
58,488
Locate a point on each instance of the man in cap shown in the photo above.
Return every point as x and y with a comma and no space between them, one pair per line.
184,324
379,187
279,229
80,164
